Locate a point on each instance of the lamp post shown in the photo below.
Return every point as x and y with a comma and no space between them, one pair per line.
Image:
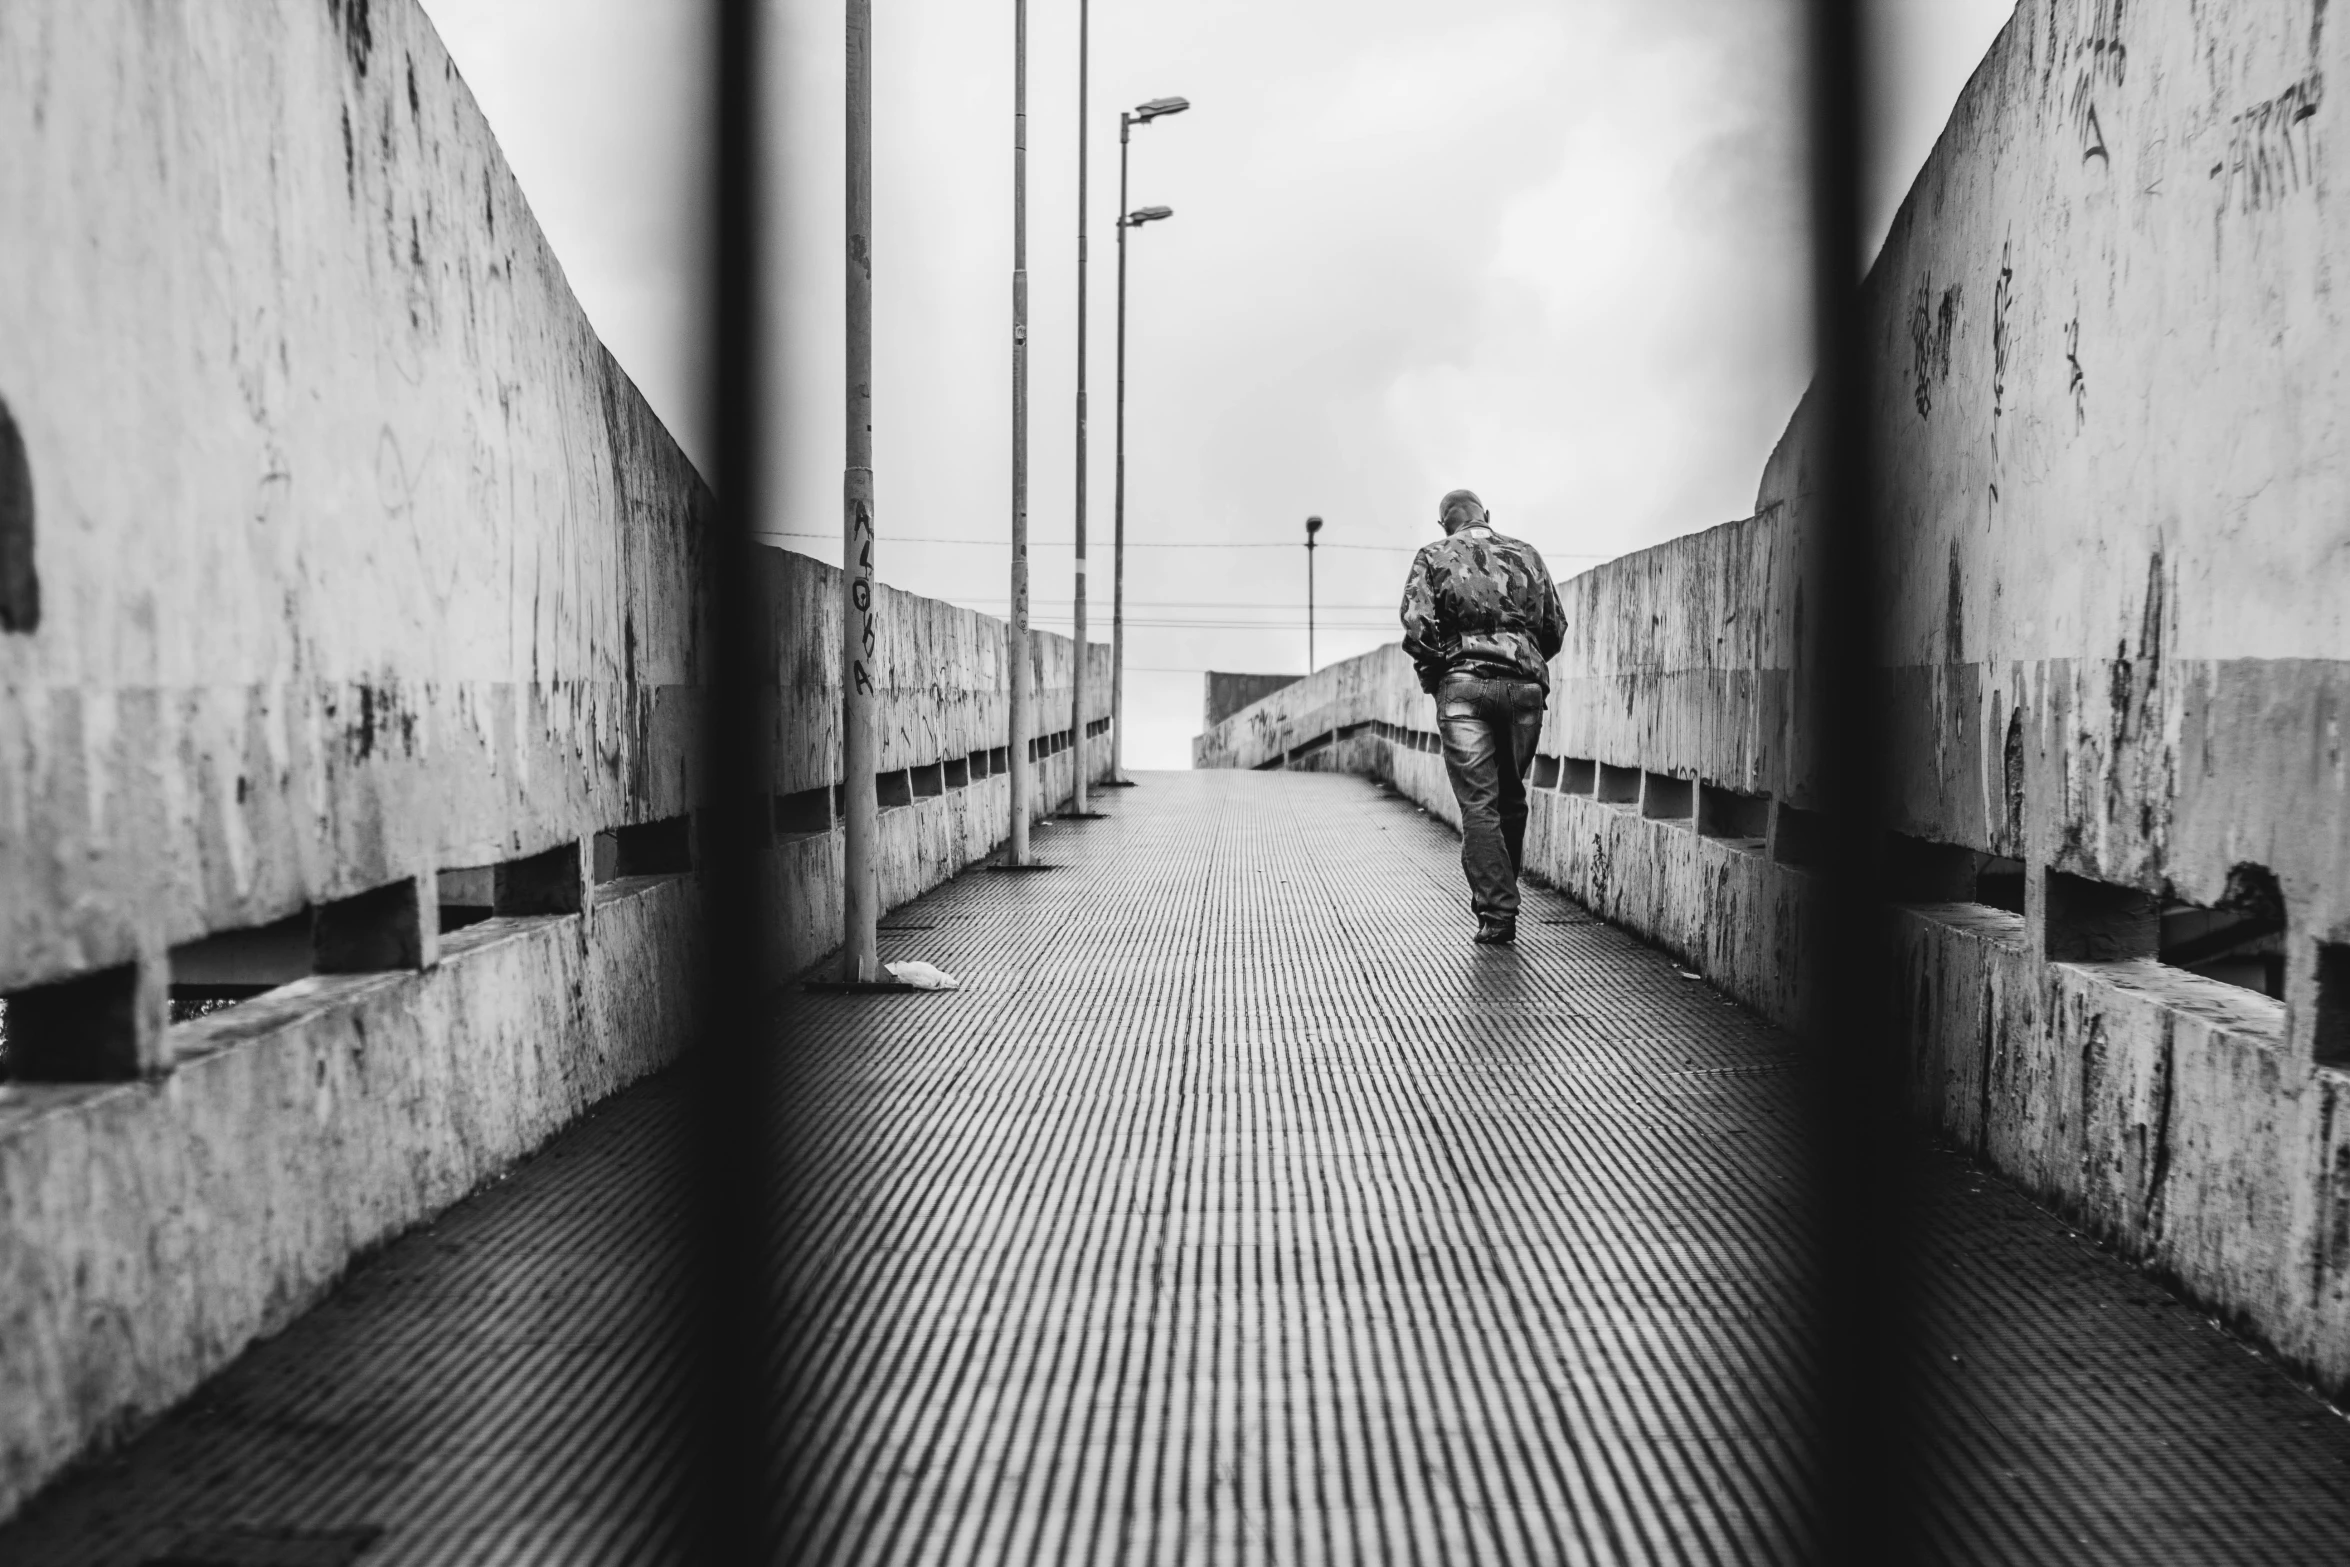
1016,639
1141,115
1077,633
1313,526
1077,681
859,701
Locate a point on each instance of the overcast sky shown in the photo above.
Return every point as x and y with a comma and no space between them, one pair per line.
1547,249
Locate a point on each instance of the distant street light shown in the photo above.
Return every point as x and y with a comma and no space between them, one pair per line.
1313,526
1141,115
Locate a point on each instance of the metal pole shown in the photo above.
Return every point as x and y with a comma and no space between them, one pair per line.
859,700
1077,681
1016,641
1118,541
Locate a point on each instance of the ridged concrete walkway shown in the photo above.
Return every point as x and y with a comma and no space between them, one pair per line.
1240,1210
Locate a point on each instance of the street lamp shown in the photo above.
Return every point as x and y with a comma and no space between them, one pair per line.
860,703
1141,115
1078,803
1016,642
1313,526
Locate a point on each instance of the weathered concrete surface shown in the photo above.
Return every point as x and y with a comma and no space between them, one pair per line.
2117,644
358,554
150,1230
1441,1253
1228,693
335,551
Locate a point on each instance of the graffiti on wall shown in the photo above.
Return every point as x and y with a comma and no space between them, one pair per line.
1930,331
2002,300
2271,149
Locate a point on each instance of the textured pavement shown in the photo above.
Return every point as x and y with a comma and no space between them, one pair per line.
1239,1210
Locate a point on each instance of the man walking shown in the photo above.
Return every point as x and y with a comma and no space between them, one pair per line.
1481,621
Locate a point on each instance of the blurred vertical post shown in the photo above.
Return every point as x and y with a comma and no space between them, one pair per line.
1861,1144
1016,639
1077,699
859,664
728,1324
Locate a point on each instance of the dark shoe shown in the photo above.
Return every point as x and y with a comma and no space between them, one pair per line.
1493,932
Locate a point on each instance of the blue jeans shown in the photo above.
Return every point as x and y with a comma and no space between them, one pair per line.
1490,730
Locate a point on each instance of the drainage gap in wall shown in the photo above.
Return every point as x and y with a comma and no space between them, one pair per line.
980,764
957,772
805,813
79,1030
2333,1004
1999,883
1743,820
930,780
891,790
2097,922
372,932
20,585
1546,771
1618,785
999,760
662,848
1919,870
466,896
543,883
1668,799
2238,941
1578,775
230,966
1798,837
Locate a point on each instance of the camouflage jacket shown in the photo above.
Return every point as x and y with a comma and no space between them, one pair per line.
1481,603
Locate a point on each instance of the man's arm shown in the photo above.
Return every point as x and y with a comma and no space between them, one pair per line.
1553,631
1423,638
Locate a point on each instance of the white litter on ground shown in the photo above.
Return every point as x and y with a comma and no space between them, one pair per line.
923,976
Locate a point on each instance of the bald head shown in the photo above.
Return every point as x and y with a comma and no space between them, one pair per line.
1460,509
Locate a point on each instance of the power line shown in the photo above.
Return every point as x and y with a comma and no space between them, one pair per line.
1256,604
1226,625
1161,544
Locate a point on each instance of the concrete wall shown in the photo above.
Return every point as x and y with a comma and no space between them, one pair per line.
335,555
946,698
1228,693
2118,640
